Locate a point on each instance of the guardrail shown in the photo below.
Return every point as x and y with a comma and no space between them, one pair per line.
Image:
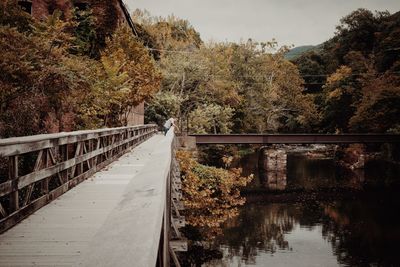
34,170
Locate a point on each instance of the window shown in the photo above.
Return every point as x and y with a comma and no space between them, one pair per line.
81,6
26,6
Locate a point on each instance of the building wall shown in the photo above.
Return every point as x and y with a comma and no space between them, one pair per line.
42,8
136,117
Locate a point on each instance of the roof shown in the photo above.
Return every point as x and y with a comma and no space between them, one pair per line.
128,17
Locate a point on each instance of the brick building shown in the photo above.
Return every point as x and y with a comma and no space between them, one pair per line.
40,9
106,11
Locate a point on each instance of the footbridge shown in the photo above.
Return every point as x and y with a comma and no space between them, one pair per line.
108,197
294,138
275,156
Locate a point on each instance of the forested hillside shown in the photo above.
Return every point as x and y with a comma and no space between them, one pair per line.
348,84
357,74
298,51
67,74
225,87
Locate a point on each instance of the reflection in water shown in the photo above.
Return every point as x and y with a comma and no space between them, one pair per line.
360,230
321,174
275,180
273,168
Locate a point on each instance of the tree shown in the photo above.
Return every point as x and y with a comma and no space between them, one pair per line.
339,99
36,69
211,118
12,16
129,77
45,68
362,53
379,108
85,35
169,33
271,89
356,32
163,106
210,195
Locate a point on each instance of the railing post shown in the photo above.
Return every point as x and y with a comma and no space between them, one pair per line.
13,176
64,157
45,181
167,224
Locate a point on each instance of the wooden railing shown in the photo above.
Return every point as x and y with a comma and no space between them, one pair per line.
34,170
144,227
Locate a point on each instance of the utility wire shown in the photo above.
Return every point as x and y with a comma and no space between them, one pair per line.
193,52
172,51
301,75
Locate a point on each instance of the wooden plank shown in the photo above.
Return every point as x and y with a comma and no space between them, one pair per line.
28,194
54,162
64,157
3,212
174,257
97,148
45,182
175,229
179,245
17,216
77,153
21,145
47,172
179,221
13,177
5,188
176,208
87,133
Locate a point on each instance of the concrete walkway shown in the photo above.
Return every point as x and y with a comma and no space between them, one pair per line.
61,233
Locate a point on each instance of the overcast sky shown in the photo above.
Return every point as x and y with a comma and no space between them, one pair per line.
298,22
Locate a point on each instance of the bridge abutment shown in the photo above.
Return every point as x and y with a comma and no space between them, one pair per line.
275,166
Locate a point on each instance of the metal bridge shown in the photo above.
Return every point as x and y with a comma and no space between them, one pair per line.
294,138
124,212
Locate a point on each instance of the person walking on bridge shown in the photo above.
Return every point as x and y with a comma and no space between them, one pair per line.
168,124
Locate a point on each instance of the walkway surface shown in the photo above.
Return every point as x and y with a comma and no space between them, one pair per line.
65,232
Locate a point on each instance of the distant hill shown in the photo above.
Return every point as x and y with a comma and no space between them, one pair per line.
298,51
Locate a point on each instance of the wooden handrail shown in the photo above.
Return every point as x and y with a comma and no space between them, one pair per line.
25,144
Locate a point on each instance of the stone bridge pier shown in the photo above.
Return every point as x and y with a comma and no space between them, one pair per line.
274,164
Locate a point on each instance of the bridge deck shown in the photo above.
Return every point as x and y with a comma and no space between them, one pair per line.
64,232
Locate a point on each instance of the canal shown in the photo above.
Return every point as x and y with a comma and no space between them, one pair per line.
315,214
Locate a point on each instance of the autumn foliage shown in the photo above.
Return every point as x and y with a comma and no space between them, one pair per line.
246,87
210,195
358,74
49,81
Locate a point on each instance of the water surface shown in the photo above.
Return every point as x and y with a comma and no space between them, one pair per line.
315,215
